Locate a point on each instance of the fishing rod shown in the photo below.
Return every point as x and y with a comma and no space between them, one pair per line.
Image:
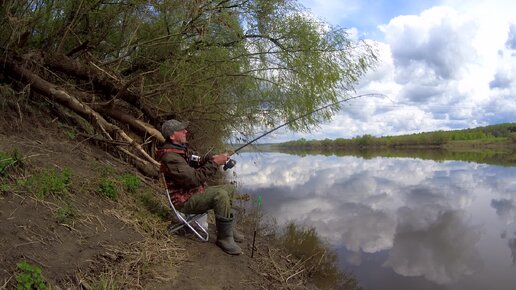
231,163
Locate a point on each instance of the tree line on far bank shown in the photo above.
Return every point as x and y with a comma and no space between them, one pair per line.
501,133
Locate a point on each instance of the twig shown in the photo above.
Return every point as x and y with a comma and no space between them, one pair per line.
27,243
298,272
70,227
6,282
19,112
275,265
99,68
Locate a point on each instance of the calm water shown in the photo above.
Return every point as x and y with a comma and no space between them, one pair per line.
397,223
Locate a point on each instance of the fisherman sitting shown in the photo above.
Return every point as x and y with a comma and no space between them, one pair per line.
187,184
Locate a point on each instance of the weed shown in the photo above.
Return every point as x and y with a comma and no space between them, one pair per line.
4,187
108,189
9,160
50,181
106,170
30,278
71,134
105,283
131,182
64,214
5,162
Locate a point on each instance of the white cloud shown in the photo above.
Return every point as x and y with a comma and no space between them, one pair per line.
430,47
451,66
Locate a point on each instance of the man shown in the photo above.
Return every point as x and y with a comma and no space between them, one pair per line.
186,181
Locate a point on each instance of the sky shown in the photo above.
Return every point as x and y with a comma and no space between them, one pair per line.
443,65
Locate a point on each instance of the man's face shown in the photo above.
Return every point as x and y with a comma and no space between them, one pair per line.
179,136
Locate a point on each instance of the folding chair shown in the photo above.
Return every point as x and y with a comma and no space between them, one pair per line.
188,220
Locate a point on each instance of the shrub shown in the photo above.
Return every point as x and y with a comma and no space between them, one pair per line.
512,137
108,189
30,278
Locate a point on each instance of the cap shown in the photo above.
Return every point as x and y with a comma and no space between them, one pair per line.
170,126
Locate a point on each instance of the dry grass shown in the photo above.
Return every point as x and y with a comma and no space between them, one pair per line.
295,257
157,255
132,266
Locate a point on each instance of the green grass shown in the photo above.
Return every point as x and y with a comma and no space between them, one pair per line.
65,214
49,182
131,182
71,134
108,188
5,187
9,160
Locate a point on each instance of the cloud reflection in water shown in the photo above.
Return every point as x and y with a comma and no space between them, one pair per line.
435,243
417,210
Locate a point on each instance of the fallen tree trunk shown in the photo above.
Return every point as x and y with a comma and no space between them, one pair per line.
103,81
139,125
40,85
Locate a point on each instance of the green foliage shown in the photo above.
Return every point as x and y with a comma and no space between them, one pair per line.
437,138
30,278
108,189
9,160
4,187
49,182
131,182
65,214
71,134
512,137
5,162
223,65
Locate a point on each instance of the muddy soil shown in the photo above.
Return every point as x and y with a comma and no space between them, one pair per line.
104,244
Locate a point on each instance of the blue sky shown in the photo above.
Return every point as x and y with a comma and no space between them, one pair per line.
443,65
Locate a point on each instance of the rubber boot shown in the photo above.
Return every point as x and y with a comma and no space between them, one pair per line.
225,236
237,235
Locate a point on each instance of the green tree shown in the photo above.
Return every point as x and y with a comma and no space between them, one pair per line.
224,65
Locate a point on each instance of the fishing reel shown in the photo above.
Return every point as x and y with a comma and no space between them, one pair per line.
229,164
194,160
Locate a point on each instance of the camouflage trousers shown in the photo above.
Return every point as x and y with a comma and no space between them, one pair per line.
219,198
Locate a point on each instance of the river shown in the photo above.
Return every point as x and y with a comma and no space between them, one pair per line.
396,223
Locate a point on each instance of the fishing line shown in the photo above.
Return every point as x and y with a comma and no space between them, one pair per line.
305,115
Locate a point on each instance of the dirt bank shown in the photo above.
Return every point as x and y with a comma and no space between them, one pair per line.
82,236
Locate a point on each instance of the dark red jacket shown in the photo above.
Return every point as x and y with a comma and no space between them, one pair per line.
183,180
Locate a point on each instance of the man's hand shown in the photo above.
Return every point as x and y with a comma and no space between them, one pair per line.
220,159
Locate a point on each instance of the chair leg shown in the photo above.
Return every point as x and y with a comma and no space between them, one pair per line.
201,232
